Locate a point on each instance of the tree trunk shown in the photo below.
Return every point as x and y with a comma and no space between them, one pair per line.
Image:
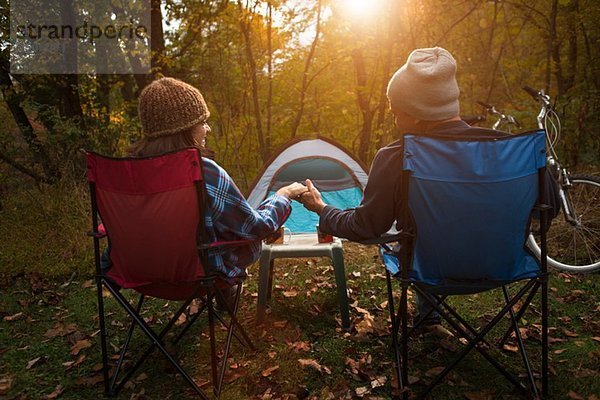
363,104
305,80
157,39
569,79
269,73
52,174
245,27
551,45
70,105
389,43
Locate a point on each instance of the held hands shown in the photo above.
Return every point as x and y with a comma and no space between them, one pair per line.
312,199
292,191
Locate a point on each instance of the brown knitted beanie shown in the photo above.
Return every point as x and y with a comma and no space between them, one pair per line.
167,106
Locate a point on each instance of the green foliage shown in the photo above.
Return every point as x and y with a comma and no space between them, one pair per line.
43,230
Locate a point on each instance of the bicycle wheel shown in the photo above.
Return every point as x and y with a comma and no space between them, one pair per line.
575,247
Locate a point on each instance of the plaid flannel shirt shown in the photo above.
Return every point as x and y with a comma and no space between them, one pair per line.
229,217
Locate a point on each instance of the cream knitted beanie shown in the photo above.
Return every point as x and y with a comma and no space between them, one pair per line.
425,87
167,106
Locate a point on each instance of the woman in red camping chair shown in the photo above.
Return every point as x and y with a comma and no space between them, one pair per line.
174,116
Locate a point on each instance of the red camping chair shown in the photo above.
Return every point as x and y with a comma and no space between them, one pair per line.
152,212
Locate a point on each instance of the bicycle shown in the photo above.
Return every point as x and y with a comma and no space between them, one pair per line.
573,240
506,121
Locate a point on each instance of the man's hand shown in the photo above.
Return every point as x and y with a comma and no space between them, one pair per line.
292,191
311,198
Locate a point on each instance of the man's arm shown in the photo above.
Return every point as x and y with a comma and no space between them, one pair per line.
378,209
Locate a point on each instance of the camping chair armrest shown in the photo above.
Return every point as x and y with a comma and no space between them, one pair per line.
230,243
386,238
99,233
542,207
96,234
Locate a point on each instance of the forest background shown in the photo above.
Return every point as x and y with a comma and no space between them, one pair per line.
276,70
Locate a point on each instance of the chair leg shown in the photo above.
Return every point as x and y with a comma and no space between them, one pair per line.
245,339
545,336
270,286
520,314
404,322
213,349
397,369
476,340
520,343
101,320
337,257
113,381
230,331
156,342
264,277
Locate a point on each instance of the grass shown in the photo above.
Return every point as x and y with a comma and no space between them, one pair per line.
299,327
48,305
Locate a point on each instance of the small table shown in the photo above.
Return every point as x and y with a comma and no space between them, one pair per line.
302,245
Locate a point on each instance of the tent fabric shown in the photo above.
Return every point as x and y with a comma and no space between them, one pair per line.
471,202
303,221
336,173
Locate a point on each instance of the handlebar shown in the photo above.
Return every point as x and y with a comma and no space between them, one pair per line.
473,119
532,92
486,105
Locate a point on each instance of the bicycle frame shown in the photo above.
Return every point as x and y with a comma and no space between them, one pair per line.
560,173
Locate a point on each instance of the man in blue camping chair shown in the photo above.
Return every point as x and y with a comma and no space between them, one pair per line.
424,98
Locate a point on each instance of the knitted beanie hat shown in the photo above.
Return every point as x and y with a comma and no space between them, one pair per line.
168,106
425,87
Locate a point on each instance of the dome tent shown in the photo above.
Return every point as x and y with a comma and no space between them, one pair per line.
338,175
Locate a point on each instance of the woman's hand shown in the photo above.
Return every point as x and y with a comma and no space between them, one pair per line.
312,199
292,191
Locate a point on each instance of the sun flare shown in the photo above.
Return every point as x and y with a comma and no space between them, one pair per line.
361,8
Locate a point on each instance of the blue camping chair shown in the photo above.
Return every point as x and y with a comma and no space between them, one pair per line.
469,203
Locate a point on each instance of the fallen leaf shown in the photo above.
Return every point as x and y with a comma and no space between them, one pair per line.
14,317
54,395
32,363
141,377
378,382
361,391
87,284
269,371
299,346
193,309
290,293
314,364
355,274
279,324
181,320
80,345
435,371
575,396
479,396
234,377
5,385
511,348
365,326
570,334
559,351
89,380
596,339
60,330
